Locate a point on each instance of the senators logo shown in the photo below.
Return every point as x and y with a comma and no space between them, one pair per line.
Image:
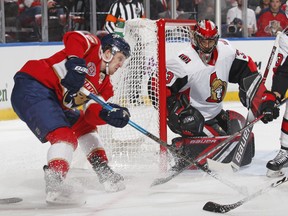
217,88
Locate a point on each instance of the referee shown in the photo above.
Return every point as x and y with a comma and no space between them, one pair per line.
125,9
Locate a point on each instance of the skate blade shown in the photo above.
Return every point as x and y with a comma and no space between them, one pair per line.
274,174
66,202
58,199
114,187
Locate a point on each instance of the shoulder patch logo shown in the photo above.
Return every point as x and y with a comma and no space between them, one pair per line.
91,69
184,58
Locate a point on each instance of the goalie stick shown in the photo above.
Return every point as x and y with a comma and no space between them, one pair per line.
218,208
163,180
204,156
10,200
166,145
245,132
245,137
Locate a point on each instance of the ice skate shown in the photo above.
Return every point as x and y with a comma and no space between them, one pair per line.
274,166
58,192
112,181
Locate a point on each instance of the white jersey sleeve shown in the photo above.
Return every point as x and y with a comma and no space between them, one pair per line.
283,44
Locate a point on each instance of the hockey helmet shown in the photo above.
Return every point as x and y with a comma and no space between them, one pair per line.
206,36
116,44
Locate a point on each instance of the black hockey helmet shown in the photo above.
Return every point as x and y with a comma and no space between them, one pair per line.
116,44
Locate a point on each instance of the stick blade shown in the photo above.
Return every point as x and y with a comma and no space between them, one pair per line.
213,207
160,181
219,167
10,200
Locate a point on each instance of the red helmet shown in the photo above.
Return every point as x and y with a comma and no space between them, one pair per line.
206,36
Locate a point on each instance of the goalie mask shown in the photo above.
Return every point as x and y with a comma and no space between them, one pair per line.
205,39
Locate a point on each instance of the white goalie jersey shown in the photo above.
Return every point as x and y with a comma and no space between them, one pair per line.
205,83
283,44
280,68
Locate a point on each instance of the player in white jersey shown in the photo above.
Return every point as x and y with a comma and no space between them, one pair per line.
279,87
197,80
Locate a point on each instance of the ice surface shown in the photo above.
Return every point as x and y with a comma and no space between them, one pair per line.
23,156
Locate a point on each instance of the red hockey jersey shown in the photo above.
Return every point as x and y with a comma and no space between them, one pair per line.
50,71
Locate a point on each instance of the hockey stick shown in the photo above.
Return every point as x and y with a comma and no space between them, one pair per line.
10,200
218,208
164,144
245,137
204,156
244,131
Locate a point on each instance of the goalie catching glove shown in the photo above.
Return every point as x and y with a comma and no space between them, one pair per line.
117,117
268,107
182,118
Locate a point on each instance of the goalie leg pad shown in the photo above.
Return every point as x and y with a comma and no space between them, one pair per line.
195,147
225,123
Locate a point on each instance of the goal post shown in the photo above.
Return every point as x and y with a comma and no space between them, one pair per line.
140,85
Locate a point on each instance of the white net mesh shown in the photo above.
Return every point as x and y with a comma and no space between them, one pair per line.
127,147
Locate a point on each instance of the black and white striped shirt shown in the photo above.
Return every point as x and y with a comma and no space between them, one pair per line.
125,10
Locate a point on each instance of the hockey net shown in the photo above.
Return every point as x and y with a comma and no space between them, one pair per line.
151,43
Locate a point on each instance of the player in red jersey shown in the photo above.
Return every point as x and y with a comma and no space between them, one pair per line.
46,93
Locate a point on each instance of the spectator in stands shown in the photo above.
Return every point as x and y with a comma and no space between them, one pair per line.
125,9
189,8
156,7
102,7
271,20
29,14
253,4
168,12
28,11
285,8
234,18
206,9
263,5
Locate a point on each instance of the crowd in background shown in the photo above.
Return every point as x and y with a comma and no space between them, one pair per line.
23,17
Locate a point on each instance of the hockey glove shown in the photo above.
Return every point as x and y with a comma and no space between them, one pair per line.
182,118
76,73
117,117
267,107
